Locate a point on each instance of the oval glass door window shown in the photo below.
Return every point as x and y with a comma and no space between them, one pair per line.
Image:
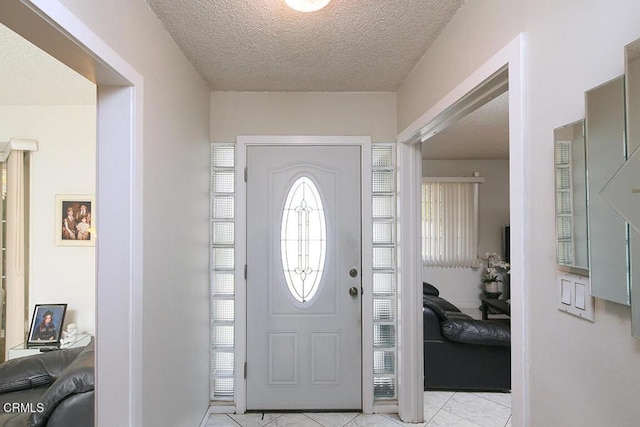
303,239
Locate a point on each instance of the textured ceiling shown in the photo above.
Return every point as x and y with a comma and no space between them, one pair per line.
29,76
483,134
249,45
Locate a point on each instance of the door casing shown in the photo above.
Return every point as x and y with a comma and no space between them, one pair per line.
240,390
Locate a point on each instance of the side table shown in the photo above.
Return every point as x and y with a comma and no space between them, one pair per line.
497,305
21,350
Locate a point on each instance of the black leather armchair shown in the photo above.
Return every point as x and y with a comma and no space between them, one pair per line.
53,389
461,353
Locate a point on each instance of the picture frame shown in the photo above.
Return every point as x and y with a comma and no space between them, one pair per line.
75,220
46,325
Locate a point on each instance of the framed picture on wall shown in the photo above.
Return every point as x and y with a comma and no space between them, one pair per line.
46,324
75,220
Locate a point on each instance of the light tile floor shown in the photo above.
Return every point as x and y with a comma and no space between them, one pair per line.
450,409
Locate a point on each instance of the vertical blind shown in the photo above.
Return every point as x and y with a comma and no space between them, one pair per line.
449,223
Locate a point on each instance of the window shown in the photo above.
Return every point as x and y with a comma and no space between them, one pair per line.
303,241
450,222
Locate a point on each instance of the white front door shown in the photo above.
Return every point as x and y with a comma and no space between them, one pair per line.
304,277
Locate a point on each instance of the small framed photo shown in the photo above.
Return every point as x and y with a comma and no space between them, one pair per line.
46,324
75,220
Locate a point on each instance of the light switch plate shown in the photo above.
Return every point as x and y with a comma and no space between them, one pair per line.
581,296
574,296
565,291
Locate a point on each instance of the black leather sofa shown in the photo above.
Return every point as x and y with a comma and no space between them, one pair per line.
53,389
462,353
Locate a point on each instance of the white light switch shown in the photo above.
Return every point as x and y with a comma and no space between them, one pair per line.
574,296
566,292
581,296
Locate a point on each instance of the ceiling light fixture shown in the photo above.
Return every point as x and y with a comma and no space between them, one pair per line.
307,5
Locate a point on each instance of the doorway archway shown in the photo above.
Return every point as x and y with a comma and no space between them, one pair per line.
472,90
52,28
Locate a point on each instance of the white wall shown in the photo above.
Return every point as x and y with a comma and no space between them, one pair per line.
298,113
64,164
175,377
479,29
462,286
581,373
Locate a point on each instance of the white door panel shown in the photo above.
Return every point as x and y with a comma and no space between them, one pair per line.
303,334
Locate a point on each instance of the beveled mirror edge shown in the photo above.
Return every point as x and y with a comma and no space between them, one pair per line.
631,55
605,136
573,270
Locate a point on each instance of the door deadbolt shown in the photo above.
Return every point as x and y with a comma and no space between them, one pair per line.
353,272
353,291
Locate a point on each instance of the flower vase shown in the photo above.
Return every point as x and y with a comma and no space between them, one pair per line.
491,287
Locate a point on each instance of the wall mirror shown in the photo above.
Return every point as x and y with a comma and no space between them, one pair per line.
606,153
572,250
624,189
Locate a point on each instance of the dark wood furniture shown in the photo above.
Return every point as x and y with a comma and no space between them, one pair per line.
496,306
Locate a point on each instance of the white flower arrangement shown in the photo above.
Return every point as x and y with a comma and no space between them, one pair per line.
493,267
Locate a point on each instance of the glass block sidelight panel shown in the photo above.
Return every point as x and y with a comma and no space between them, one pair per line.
222,233
565,253
384,336
564,227
222,284
222,310
384,310
384,387
383,207
384,362
382,156
223,156
384,275
222,336
563,179
222,207
383,232
222,258
222,277
563,202
383,181
563,152
223,388
222,363
223,181
384,258
384,284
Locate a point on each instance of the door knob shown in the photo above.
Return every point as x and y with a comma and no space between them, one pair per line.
353,291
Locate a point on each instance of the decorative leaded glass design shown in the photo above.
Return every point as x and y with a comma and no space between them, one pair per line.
303,239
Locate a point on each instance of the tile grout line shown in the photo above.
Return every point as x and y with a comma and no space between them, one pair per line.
488,400
233,421
439,409
493,401
357,415
398,422
434,415
317,422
